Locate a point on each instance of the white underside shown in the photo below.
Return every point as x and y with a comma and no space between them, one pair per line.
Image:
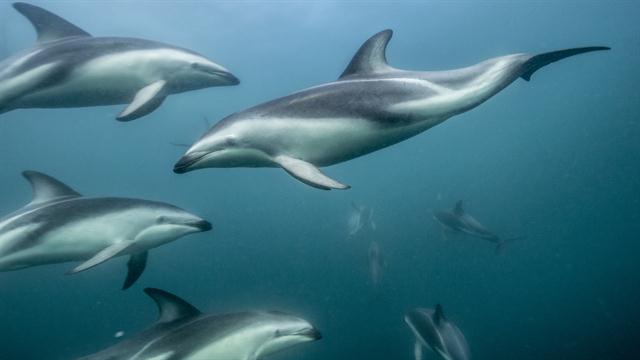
321,142
78,240
110,79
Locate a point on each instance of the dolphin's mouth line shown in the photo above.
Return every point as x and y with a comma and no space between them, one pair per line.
187,161
232,79
311,333
201,225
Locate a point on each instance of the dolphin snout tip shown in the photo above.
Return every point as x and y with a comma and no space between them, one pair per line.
313,334
203,225
232,79
316,334
184,164
179,169
227,78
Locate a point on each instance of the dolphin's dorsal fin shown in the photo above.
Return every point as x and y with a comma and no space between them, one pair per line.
46,188
370,58
458,209
438,315
49,26
170,306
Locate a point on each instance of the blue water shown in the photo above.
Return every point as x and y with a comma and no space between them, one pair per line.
554,160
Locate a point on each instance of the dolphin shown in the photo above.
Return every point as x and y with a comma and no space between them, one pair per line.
435,332
376,263
60,225
361,218
182,332
371,106
458,220
70,68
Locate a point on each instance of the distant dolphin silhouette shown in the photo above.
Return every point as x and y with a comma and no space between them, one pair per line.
435,332
70,68
377,263
361,218
371,106
459,220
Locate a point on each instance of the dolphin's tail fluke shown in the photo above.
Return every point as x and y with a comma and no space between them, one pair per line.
538,61
502,243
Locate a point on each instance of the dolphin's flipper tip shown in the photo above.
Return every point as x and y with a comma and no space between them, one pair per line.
308,173
135,266
538,61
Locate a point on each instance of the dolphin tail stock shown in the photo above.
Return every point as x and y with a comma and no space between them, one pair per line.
500,246
538,61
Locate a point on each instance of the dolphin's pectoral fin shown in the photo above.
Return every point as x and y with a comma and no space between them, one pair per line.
49,26
417,350
145,101
135,266
538,61
102,256
308,173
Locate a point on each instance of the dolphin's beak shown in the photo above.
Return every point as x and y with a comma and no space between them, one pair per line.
223,75
187,160
202,225
312,333
228,78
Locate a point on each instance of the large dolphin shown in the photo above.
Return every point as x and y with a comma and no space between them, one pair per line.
184,333
457,219
60,225
371,106
70,68
435,332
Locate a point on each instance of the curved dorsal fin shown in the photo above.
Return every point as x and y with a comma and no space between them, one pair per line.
170,306
438,315
49,26
458,209
370,58
46,188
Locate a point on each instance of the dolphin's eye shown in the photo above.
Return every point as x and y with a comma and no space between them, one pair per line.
277,333
230,141
161,219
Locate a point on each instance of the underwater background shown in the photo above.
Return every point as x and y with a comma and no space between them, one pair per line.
555,160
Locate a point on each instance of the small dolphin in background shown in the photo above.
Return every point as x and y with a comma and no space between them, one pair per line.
371,106
376,263
182,332
70,68
361,218
435,332
59,225
458,220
